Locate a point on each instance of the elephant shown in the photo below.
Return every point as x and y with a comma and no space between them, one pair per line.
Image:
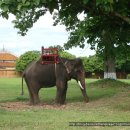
38,75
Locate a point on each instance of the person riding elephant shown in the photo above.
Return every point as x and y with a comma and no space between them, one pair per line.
38,75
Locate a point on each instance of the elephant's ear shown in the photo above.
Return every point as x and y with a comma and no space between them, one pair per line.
69,66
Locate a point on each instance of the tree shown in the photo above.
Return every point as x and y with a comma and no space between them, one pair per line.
25,59
105,30
106,22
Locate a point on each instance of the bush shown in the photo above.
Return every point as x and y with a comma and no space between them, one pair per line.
93,63
25,59
66,55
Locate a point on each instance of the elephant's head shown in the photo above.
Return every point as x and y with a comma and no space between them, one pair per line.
76,71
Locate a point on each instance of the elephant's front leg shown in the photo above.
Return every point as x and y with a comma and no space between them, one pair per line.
61,92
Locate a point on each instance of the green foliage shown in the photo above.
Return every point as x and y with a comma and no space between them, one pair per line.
123,65
25,59
66,55
60,48
123,58
28,12
93,63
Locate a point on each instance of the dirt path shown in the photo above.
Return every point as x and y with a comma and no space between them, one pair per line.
25,105
100,103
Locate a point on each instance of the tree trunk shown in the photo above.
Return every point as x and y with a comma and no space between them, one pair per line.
109,68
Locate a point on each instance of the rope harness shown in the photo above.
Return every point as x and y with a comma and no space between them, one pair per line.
64,64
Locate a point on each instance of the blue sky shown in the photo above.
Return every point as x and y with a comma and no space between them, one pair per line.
42,34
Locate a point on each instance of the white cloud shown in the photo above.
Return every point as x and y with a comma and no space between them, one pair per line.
42,34
79,52
4,23
45,21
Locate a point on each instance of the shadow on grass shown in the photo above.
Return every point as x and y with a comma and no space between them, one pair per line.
92,96
100,89
20,98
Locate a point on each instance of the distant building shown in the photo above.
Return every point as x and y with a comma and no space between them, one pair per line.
7,60
7,64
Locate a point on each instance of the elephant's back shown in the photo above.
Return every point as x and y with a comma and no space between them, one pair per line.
44,74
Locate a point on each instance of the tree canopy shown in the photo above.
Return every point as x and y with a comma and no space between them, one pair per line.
104,20
28,12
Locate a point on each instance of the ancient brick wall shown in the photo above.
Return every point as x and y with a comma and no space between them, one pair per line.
9,73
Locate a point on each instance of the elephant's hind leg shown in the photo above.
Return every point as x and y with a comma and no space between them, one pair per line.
30,96
36,96
33,92
30,93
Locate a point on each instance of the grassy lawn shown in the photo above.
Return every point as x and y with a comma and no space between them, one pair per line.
109,102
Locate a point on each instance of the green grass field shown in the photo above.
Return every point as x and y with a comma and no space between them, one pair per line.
109,102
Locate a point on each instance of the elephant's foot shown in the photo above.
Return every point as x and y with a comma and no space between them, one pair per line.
59,102
86,100
32,103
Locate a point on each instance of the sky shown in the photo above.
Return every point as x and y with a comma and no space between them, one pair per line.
43,33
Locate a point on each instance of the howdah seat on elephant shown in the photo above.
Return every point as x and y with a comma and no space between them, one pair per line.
50,55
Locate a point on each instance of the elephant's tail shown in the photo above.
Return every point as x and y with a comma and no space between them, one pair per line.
22,91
